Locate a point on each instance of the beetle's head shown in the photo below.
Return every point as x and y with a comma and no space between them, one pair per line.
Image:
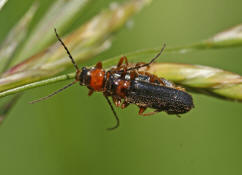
83,76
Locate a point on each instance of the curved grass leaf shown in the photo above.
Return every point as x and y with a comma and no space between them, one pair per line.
2,3
15,37
60,15
229,38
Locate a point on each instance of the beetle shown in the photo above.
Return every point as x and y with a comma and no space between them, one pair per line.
148,91
126,84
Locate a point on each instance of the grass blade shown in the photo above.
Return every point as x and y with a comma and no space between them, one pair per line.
229,38
6,108
202,79
2,3
60,15
15,37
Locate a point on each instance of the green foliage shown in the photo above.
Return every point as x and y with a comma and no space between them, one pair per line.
66,134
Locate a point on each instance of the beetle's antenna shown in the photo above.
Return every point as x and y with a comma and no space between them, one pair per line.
67,51
153,59
52,94
73,62
116,116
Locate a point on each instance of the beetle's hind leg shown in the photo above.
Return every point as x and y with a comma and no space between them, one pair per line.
178,115
123,59
116,101
142,110
114,113
124,104
140,64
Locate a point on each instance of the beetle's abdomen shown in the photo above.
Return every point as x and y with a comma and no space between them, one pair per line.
159,97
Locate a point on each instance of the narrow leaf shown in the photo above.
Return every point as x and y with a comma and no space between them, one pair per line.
229,38
2,3
6,108
60,15
15,37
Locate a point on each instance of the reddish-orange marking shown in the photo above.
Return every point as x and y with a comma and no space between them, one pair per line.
97,79
122,86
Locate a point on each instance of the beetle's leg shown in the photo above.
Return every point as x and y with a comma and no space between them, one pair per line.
180,88
114,113
122,59
99,65
116,101
178,115
142,109
162,81
124,105
158,80
133,75
149,113
153,78
122,67
90,92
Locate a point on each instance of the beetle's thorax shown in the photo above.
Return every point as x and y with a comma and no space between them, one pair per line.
93,78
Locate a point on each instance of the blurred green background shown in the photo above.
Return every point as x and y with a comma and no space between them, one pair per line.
67,133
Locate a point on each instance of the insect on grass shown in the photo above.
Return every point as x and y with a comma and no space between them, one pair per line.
126,85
